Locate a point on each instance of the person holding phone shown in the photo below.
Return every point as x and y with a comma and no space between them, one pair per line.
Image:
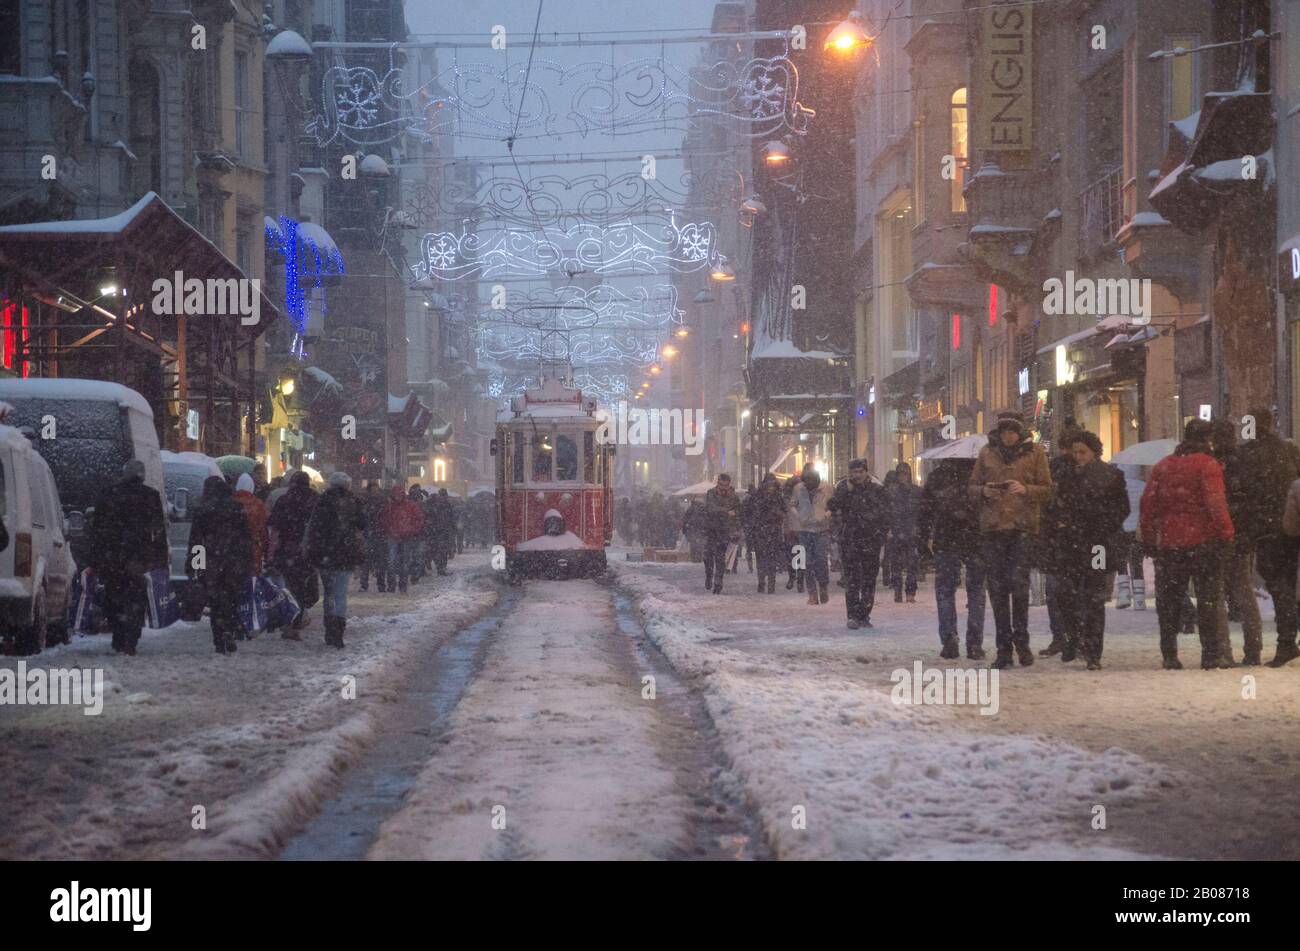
1010,484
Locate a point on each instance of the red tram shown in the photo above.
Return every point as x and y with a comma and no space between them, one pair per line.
555,501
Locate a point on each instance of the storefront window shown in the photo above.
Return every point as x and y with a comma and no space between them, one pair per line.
518,458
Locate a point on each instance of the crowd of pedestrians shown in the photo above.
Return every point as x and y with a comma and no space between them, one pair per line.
309,543
1211,517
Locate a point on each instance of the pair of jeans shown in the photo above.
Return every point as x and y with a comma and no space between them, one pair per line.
334,594
947,568
860,560
1175,567
1081,592
1052,594
1276,556
1239,588
903,560
400,568
816,547
1006,563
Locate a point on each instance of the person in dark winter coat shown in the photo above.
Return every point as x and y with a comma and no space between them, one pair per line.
288,525
766,529
722,521
1185,522
221,528
128,537
1048,558
1010,483
372,505
1257,489
440,526
403,521
335,545
861,512
886,561
1093,505
695,529
904,506
948,527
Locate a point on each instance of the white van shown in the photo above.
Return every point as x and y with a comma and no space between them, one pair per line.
184,474
36,567
96,429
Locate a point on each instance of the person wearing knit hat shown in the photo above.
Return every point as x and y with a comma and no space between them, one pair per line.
335,546
1010,483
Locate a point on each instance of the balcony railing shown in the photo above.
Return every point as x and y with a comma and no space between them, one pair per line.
1101,212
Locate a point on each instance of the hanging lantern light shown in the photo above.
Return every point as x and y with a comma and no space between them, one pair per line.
849,34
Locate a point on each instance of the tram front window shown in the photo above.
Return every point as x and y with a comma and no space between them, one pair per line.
542,453
566,459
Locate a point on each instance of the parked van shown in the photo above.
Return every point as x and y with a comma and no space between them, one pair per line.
183,474
36,567
86,430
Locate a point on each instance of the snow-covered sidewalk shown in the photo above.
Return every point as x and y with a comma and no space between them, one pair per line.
551,753
256,738
1183,764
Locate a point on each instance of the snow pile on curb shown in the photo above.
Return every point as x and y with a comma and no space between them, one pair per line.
876,780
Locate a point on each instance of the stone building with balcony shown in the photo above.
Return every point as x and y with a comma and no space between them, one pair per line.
1060,196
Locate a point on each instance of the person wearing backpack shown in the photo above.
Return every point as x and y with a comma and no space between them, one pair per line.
1265,468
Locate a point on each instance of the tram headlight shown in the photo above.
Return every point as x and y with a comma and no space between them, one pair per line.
553,522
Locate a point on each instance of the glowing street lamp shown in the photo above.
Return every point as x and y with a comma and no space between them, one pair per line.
656,369
668,351
681,332
776,153
849,35
723,272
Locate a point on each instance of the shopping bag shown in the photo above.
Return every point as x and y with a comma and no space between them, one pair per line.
250,614
164,605
85,605
275,604
730,556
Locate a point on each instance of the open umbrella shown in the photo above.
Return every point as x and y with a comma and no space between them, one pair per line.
1144,453
968,447
232,467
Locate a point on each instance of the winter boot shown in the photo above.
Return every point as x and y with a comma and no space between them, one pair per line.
771,584
798,580
1172,663
950,651
812,592
230,644
1139,594
824,591
789,583
717,584
708,578
1124,597
1003,661
1025,654
1285,654
1057,646
975,653
853,624
1069,652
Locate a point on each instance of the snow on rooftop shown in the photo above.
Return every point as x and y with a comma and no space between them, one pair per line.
1148,219
786,349
318,237
111,225
71,389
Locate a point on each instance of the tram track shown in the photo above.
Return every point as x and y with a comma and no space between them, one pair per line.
531,734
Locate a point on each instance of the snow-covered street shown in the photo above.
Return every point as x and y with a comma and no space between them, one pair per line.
1184,766
763,729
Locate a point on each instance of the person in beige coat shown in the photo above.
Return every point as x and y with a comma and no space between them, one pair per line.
1010,484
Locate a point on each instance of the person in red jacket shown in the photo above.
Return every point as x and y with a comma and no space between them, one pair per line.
402,520
255,512
1185,522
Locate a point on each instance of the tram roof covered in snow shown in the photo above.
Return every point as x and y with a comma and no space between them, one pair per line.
552,400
